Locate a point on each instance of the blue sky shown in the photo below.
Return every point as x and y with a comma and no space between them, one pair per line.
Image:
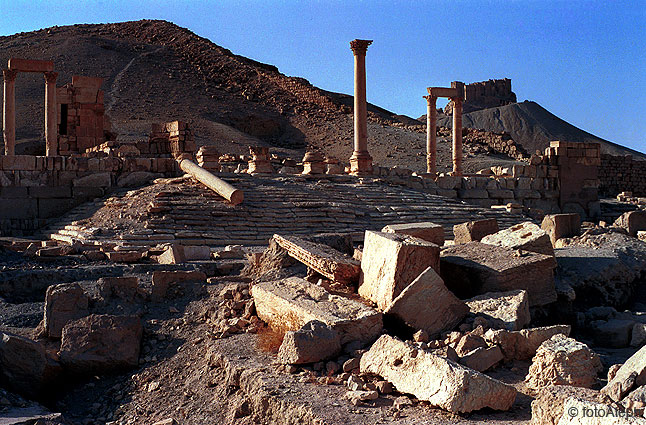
585,61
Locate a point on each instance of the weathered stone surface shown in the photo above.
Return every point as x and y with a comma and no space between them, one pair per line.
163,279
638,337
427,231
197,252
428,305
25,366
636,399
527,236
312,343
474,230
291,303
124,256
522,345
632,221
101,343
63,303
560,226
327,261
174,254
504,310
563,361
120,287
591,413
435,379
547,407
616,333
630,374
390,262
482,359
475,268
469,342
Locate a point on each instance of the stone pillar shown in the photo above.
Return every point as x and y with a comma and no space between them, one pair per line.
51,130
360,161
457,136
9,112
431,134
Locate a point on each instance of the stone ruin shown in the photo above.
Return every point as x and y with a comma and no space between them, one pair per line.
410,295
483,95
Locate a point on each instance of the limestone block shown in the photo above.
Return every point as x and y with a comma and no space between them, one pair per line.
638,337
120,287
527,236
522,345
547,407
25,366
475,268
482,359
632,221
428,305
93,180
427,231
390,262
631,374
64,303
197,252
98,344
636,399
616,333
560,226
124,256
474,230
312,343
563,361
174,254
291,303
435,379
504,310
328,261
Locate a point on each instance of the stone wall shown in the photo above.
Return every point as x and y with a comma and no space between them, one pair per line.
34,189
485,94
622,174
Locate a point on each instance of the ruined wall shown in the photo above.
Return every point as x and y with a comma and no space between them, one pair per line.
622,174
563,180
36,188
485,94
81,122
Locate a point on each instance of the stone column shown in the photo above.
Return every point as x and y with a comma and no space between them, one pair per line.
9,112
431,134
360,161
51,130
457,136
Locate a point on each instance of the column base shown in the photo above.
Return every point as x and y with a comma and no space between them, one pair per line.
361,164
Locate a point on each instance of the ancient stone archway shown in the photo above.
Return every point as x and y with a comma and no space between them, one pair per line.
9,112
456,94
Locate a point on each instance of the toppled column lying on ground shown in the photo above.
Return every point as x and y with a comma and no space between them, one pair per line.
222,188
326,260
289,304
440,381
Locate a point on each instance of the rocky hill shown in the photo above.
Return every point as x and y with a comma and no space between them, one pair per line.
532,126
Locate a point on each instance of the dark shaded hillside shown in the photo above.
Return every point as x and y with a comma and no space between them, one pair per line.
533,126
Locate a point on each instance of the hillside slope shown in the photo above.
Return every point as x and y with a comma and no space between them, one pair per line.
533,127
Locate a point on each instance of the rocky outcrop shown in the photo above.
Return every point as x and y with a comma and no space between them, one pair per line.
435,379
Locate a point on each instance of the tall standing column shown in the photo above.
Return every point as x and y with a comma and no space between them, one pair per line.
431,134
360,161
51,131
457,136
9,112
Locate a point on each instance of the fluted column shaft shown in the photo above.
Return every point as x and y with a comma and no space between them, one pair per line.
431,134
360,161
51,131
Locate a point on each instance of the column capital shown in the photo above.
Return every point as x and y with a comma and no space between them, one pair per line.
9,74
50,77
430,99
359,47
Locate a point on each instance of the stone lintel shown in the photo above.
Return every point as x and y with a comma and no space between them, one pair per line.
449,92
30,65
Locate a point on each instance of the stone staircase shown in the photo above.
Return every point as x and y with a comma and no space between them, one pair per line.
191,214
